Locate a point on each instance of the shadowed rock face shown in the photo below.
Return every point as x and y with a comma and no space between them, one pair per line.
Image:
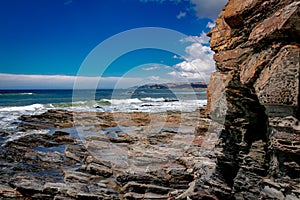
257,54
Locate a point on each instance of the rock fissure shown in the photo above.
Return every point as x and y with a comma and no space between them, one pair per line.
257,59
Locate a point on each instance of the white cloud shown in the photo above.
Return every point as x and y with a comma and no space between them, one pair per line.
189,76
181,15
202,39
208,8
210,25
198,64
167,67
153,67
21,81
173,73
154,78
177,57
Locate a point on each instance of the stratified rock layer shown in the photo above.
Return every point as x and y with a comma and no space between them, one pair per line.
255,90
107,155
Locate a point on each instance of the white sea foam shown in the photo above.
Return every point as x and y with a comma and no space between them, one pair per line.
26,93
32,107
124,101
136,105
16,94
158,106
10,115
153,99
18,135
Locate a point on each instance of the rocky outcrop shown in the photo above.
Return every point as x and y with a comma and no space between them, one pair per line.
88,155
255,94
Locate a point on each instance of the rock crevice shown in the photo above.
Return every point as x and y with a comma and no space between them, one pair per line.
255,90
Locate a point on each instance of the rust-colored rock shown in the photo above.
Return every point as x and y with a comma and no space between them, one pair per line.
236,9
281,25
257,65
220,34
257,80
230,60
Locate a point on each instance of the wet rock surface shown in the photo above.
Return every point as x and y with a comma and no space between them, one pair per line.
108,155
256,91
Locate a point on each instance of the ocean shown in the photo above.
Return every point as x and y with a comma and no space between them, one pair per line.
14,103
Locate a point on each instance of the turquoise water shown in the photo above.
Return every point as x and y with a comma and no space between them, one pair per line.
15,103
29,97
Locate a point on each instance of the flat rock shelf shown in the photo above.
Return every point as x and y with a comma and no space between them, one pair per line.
85,155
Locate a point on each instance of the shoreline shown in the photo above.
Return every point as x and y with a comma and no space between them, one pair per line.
119,155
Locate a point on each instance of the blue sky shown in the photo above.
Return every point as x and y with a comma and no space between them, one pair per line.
52,38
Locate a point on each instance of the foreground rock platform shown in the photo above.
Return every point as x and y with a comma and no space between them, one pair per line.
108,155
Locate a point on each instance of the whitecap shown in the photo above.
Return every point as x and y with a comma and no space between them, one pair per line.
150,99
32,107
124,101
16,94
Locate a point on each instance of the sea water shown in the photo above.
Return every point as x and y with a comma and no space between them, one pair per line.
15,103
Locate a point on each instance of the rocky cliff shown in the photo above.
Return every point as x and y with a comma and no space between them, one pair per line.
255,94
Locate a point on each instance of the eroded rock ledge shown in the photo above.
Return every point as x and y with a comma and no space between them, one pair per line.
256,91
87,155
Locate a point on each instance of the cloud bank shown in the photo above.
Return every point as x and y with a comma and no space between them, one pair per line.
20,81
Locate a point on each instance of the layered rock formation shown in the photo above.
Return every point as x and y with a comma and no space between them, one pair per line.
255,93
106,156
